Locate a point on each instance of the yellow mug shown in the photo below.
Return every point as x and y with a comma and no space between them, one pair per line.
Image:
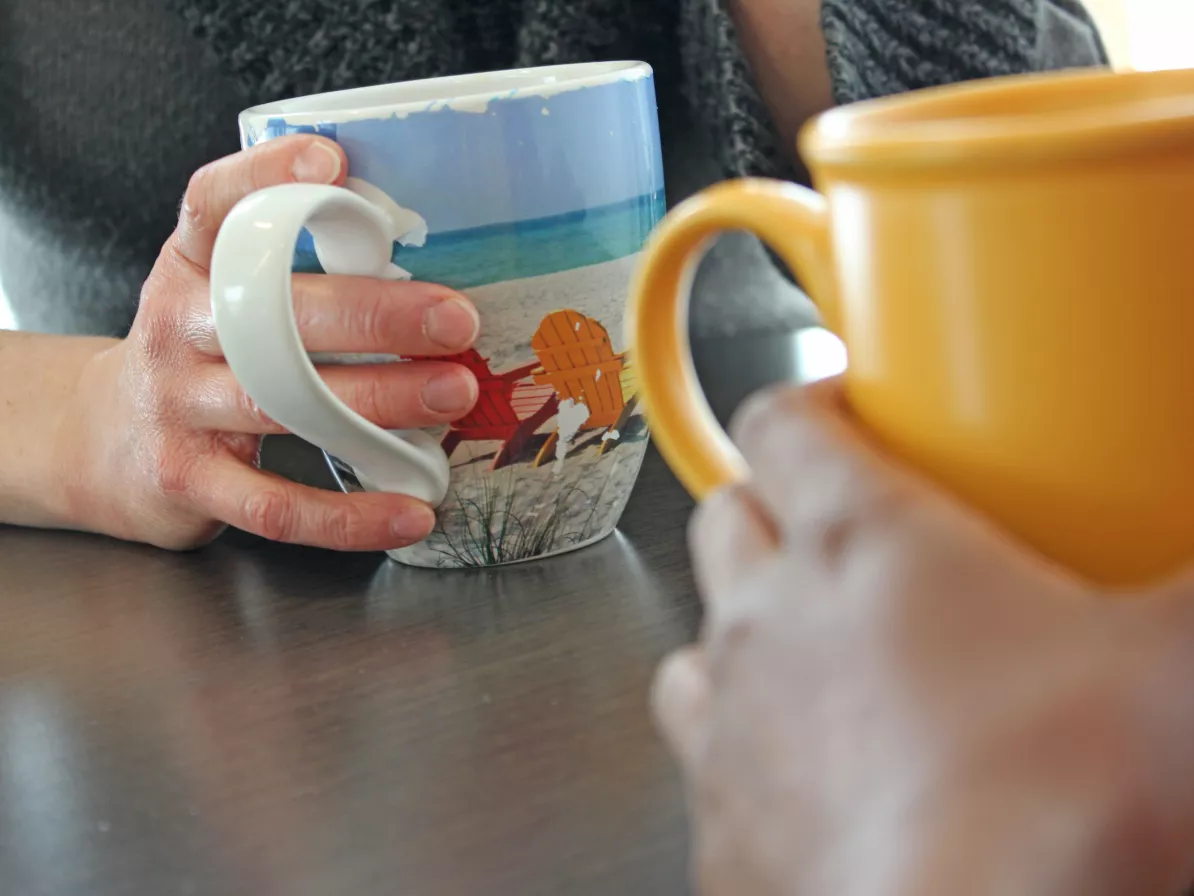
1010,264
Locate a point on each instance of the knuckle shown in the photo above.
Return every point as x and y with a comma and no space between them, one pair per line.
737,633
149,290
735,514
308,296
251,414
172,472
159,288
348,526
150,300
369,317
372,400
160,337
268,168
269,513
874,552
197,200
845,508
835,539
267,164
356,311
733,639
197,330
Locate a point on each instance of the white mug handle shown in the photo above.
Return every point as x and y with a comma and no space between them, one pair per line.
254,316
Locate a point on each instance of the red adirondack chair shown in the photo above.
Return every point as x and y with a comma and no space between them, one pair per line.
498,415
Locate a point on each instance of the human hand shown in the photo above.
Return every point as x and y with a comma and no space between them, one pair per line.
160,442
891,698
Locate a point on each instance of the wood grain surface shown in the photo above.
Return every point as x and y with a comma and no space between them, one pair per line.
261,719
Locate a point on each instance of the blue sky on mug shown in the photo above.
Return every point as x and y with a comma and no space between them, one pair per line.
520,187
520,159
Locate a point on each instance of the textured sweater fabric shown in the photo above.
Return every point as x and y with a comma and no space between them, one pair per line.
107,106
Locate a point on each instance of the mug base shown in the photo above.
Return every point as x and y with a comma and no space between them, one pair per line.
417,559
522,513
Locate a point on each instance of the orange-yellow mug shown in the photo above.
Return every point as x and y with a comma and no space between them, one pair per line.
1010,264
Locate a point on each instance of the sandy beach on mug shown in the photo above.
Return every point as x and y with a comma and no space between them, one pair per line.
512,311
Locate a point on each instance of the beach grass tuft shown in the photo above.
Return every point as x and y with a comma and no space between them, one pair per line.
487,530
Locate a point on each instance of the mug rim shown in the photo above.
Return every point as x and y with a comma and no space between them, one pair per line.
1055,116
432,94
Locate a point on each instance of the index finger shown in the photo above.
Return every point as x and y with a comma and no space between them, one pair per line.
277,509
216,188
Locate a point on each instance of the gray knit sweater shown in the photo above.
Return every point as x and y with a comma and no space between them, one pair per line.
107,106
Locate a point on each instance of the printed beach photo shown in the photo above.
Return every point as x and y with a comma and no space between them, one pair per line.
536,207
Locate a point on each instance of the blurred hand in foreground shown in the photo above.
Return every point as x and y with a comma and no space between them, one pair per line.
889,697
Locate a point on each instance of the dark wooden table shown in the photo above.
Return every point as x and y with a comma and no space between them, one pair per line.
259,719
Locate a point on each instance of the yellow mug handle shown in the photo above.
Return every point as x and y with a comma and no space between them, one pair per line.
794,222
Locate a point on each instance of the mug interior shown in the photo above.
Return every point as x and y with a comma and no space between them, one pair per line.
463,92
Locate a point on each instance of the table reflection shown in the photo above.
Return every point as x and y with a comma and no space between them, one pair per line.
266,737
263,719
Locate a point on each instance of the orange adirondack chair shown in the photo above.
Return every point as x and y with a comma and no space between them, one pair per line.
578,360
498,415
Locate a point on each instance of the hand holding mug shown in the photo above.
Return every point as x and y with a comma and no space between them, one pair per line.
890,698
1007,264
449,185
163,443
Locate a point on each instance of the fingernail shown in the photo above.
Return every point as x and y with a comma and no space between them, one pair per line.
317,164
413,524
450,392
452,324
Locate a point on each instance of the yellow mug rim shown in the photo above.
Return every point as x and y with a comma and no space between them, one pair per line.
1053,117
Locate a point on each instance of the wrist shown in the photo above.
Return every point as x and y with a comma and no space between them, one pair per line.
42,382
86,434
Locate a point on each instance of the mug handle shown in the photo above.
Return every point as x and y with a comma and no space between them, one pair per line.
792,220
254,317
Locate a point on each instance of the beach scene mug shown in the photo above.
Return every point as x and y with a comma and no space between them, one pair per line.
532,192
1008,265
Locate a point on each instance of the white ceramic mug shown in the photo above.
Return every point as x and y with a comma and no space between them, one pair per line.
530,191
